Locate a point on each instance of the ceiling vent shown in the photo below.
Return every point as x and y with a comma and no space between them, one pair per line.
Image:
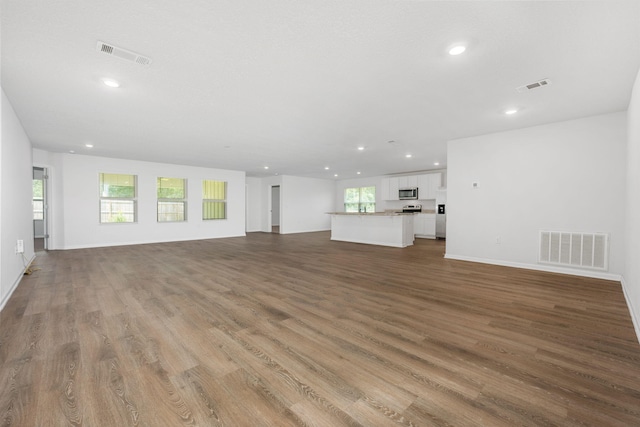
534,85
118,52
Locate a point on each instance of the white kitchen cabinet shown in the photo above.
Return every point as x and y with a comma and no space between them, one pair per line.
393,189
424,225
409,181
423,186
389,189
428,184
384,189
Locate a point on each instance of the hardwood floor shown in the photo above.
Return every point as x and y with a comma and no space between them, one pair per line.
279,330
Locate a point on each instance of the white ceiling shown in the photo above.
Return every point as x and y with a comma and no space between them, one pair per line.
298,85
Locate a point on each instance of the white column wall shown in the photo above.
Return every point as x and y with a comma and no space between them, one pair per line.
631,277
567,176
305,203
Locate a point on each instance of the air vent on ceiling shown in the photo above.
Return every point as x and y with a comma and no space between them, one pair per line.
534,85
118,52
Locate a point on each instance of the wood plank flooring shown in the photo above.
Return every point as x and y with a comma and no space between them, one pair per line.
297,330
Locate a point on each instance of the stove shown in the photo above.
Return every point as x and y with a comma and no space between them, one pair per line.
411,208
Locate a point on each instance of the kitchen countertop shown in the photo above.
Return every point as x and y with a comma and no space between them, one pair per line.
386,213
371,213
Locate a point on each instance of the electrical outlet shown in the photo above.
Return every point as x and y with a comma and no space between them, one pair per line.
20,247
498,240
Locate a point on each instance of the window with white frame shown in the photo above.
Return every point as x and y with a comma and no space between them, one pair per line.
117,198
360,199
172,199
214,199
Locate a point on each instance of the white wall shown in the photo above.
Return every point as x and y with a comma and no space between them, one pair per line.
15,200
631,276
305,203
567,176
76,202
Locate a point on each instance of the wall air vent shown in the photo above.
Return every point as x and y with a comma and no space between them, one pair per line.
118,52
581,250
534,85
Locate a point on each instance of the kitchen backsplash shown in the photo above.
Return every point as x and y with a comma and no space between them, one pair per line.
398,204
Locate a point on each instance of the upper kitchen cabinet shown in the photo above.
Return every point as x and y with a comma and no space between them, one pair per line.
389,189
428,184
410,181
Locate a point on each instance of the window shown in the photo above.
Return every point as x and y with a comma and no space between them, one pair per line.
214,199
38,199
172,199
117,198
361,199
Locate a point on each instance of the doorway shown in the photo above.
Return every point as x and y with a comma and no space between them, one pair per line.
275,209
40,210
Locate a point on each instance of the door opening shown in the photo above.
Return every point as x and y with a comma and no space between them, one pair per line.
275,209
40,210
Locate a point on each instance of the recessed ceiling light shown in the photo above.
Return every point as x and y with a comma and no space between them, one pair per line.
111,83
408,156
335,174
88,145
326,168
436,163
266,167
358,173
510,111
457,50
361,148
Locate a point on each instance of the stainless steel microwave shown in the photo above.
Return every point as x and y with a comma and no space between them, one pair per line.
408,193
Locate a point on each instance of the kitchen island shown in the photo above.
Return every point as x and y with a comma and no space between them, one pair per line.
376,228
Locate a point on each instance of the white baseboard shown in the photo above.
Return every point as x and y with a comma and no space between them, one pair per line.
5,299
145,242
538,267
634,316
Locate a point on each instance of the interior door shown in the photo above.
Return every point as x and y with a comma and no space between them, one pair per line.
275,209
40,209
